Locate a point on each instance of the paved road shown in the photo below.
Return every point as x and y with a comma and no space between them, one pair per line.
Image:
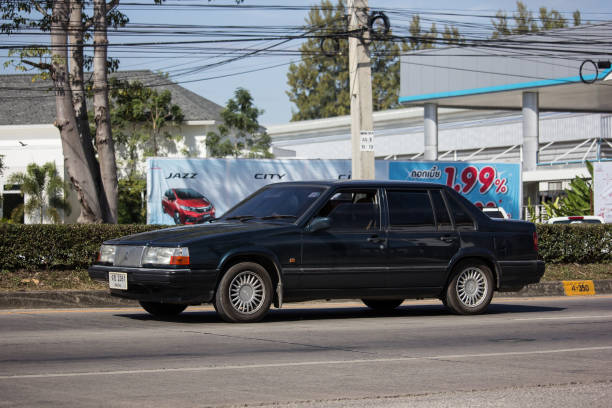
529,352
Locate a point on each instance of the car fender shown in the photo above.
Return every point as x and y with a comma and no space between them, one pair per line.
245,252
465,253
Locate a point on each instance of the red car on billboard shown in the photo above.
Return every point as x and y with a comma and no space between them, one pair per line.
187,206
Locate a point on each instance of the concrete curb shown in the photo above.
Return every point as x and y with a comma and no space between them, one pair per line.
101,298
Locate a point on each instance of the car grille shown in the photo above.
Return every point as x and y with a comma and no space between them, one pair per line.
127,255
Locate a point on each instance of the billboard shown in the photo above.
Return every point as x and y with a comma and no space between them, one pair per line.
484,184
189,191
602,190
224,182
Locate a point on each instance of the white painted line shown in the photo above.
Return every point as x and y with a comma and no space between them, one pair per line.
565,317
299,364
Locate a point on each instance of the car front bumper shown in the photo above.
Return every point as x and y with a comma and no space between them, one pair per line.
184,286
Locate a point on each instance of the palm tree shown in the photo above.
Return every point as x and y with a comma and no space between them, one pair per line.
44,189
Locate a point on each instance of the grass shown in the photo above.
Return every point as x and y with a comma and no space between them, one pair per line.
79,280
557,272
11,281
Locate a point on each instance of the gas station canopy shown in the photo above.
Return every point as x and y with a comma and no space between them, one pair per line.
560,65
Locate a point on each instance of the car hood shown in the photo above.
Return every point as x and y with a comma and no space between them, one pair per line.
193,202
185,234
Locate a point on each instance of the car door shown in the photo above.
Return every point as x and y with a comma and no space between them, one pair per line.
350,254
421,238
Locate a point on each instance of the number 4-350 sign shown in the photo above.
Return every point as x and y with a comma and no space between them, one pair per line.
485,179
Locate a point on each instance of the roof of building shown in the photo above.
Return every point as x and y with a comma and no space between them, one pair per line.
25,100
493,74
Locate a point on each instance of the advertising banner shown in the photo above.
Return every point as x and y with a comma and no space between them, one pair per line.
602,190
189,191
484,184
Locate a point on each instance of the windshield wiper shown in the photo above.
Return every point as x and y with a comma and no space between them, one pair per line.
272,217
241,217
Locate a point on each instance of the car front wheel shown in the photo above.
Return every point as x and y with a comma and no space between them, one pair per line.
244,294
471,289
163,309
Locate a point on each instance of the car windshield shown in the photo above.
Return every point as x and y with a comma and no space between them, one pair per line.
284,203
187,193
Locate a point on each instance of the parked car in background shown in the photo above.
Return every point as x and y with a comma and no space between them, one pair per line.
187,206
495,212
576,219
379,241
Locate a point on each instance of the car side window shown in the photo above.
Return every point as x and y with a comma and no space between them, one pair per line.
443,219
410,209
463,220
353,210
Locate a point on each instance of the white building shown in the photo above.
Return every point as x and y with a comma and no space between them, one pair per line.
27,133
567,140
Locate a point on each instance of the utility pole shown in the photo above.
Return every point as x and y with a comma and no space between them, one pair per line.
362,126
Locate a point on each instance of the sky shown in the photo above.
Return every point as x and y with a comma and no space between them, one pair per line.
265,76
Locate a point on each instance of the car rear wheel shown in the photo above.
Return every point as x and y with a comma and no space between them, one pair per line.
382,305
244,294
471,289
163,309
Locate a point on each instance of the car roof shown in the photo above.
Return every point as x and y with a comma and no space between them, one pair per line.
362,183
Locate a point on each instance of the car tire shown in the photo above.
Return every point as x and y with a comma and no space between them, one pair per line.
471,289
244,293
163,309
382,305
177,218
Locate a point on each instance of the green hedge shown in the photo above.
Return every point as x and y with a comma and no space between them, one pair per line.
40,247
67,247
577,243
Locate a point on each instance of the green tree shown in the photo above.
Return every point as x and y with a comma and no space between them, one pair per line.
319,84
45,191
240,134
140,117
132,207
64,62
578,199
525,23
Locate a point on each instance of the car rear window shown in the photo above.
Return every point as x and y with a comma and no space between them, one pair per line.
410,209
442,217
462,218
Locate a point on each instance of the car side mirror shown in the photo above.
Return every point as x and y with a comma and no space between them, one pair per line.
318,224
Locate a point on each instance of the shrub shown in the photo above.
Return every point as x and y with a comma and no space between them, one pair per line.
41,247
68,247
575,243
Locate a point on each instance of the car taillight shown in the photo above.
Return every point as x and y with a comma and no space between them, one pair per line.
575,218
535,241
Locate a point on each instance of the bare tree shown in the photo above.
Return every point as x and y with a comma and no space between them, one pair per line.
104,140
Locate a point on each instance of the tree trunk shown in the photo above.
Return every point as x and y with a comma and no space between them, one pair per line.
74,155
79,99
104,140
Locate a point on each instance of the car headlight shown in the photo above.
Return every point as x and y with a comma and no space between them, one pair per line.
107,254
186,208
165,256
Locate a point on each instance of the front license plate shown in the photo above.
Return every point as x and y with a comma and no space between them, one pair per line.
117,280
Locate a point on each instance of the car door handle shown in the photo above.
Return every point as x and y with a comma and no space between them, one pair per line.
375,239
448,238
